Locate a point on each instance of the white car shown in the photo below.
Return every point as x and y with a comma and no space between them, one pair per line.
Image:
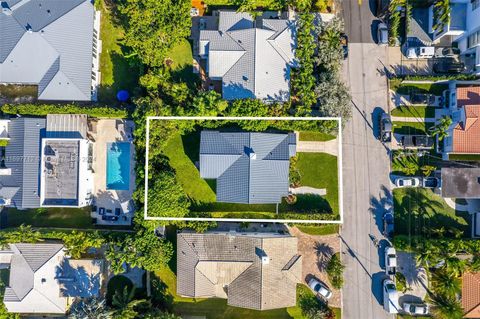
390,261
390,296
415,308
421,53
319,288
382,34
407,182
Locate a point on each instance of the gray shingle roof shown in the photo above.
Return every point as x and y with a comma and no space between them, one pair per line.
22,157
463,182
250,283
253,59
49,43
248,167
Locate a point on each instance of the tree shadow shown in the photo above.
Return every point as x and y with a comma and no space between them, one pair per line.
377,286
77,281
324,253
381,205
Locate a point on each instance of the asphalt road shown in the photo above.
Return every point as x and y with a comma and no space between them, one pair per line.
366,184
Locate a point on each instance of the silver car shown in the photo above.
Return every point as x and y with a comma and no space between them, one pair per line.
415,309
382,34
319,288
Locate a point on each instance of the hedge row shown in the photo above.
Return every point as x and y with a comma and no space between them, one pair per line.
45,109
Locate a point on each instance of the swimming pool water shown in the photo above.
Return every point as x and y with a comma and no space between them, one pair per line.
118,166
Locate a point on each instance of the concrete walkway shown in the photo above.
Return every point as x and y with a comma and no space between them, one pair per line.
329,147
308,190
413,119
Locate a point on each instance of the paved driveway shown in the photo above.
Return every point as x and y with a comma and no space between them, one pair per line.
316,252
366,185
416,278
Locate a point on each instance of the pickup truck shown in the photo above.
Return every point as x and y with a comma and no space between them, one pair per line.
390,261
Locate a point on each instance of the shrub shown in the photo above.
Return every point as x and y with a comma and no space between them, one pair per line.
45,109
335,271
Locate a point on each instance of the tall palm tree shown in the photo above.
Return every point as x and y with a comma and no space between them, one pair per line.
428,256
122,298
446,283
445,307
441,128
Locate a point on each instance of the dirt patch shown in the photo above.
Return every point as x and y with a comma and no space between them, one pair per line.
316,252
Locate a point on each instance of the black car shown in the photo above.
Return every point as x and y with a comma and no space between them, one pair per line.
385,128
423,141
450,52
430,182
421,98
388,224
344,42
448,66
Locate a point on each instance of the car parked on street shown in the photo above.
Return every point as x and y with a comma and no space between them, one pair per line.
407,182
319,288
388,224
390,261
415,309
390,297
448,66
385,128
382,34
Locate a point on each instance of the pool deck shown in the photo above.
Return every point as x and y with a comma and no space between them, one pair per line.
104,131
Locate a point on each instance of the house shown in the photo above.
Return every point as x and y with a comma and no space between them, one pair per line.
471,295
44,281
250,270
249,168
52,44
463,29
252,58
460,182
46,163
464,107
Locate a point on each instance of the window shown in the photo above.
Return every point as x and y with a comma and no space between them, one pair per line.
473,39
475,4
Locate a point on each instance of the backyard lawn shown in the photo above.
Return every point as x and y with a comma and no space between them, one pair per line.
408,88
117,73
319,170
50,217
315,136
180,60
418,111
420,212
411,128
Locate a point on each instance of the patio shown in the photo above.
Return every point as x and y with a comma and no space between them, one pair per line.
111,207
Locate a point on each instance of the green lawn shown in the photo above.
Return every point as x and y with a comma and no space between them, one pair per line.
319,170
420,212
408,88
316,136
464,157
411,128
258,3
180,58
117,73
52,217
324,229
418,111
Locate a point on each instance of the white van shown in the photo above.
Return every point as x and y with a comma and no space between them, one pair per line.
421,53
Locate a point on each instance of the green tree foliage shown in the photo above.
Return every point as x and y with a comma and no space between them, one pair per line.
441,15
77,243
22,234
313,308
154,27
90,308
333,96
335,271
441,128
45,109
448,284
166,196
446,307
208,103
303,79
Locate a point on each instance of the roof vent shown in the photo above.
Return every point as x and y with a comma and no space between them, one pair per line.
265,260
253,155
44,280
29,28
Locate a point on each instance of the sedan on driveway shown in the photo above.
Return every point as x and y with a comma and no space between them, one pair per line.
407,182
415,309
319,288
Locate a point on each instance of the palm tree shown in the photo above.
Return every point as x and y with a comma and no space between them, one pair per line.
441,128
121,299
455,266
23,234
446,283
445,307
91,308
428,256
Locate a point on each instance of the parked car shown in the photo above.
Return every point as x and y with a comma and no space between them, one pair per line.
390,296
390,261
407,182
417,141
423,99
421,53
344,42
385,128
382,34
388,225
450,52
449,66
415,308
319,288
430,182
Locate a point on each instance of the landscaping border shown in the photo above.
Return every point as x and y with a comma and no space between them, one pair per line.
339,167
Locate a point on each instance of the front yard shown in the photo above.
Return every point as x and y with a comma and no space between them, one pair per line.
420,212
400,87
412,128
418,111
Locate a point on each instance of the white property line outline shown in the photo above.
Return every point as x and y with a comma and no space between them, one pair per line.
249,220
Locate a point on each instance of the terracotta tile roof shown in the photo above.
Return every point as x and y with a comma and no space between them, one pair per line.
471,295
466,135
468,95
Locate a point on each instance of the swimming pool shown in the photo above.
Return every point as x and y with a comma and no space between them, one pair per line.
118,166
